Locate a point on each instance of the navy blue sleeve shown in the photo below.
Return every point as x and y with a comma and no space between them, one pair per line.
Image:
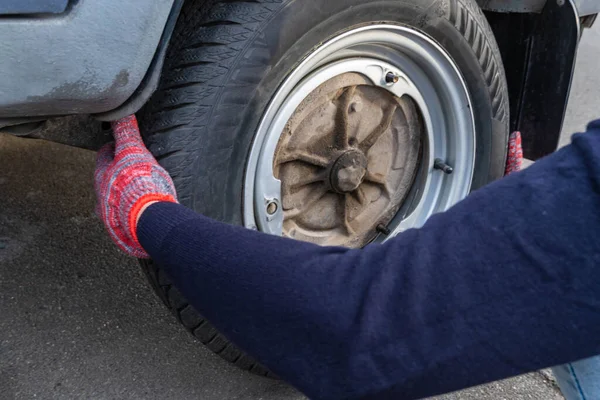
505,282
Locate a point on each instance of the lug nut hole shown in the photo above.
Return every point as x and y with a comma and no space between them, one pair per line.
271,208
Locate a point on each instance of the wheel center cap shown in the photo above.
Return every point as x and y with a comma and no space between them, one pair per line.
348,171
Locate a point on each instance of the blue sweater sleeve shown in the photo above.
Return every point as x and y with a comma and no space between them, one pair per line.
505,282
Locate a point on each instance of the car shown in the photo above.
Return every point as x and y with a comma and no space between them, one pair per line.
338,122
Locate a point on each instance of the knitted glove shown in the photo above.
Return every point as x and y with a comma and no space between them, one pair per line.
128,178
515,153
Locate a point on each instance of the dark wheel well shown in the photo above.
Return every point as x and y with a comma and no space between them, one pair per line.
538,51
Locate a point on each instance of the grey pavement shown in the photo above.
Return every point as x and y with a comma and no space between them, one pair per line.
77,318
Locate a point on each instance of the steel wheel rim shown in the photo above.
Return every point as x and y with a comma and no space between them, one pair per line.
427,75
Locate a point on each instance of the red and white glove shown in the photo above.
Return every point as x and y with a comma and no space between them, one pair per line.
514,160
127,179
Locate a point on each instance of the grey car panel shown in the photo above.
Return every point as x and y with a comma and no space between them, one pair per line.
587,7
21,7
88,60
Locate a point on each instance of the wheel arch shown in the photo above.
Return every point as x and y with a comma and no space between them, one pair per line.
538,50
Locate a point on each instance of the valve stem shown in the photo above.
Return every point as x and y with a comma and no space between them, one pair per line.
381,228
391,78
442,166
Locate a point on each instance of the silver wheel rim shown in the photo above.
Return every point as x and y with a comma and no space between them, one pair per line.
425,73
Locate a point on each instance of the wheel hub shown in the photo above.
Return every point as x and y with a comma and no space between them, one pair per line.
386,92
348,171
346,160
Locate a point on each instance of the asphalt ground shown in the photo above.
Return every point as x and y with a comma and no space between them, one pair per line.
78,320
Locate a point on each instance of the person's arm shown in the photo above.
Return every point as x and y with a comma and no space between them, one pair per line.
503,283
507,281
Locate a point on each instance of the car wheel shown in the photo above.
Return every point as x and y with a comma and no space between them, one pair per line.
339,122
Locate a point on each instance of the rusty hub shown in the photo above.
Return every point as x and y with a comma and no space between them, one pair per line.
384,92
346,160
348,171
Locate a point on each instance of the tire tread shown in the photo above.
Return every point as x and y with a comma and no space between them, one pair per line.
209,35
468,18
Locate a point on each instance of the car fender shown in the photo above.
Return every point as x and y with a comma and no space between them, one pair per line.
88,59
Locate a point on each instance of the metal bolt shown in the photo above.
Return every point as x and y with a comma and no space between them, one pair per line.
391,77
381,228
560,2
271,208
441,165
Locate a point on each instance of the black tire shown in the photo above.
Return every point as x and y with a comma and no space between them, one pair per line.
226,60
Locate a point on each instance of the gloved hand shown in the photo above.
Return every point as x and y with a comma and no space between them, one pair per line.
128,179
514,159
